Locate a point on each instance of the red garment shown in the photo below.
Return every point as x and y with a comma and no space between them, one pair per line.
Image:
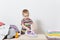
1,24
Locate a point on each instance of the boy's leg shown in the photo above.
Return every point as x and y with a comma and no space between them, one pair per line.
12,33
23,31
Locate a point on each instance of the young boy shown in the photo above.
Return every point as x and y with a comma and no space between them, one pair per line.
26,22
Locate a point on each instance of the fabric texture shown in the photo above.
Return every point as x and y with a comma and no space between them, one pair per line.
26,22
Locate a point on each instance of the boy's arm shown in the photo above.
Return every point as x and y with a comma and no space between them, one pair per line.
22,23
25,27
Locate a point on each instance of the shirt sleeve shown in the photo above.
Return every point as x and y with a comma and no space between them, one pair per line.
22,22
31,22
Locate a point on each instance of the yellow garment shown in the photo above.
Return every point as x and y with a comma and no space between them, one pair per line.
54,35
16,36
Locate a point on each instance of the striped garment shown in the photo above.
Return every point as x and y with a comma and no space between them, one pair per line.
26,22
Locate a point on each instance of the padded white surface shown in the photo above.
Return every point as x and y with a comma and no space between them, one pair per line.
25,37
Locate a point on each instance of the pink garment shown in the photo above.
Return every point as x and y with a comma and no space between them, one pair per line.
1,24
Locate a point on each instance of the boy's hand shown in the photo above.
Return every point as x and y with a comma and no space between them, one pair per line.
28,29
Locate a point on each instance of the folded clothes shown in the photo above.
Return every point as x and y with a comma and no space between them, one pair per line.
14,27
31,33
54,33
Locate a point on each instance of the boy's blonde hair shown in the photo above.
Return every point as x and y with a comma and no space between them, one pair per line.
25,11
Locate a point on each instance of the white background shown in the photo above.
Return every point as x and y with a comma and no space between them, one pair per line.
46,11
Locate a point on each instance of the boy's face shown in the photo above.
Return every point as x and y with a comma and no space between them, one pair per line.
26,14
